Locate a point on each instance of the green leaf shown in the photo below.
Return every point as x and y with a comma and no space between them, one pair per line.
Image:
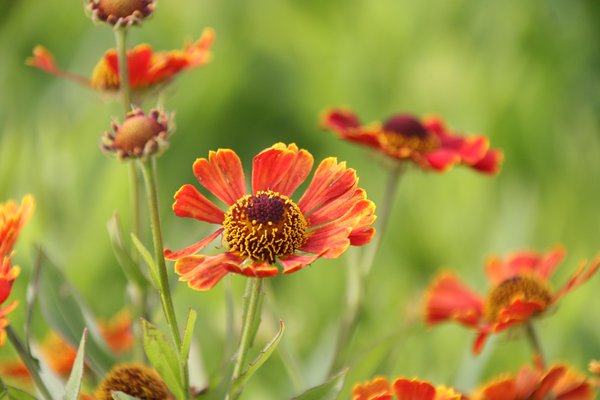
152,267
64,310
164,359
74,383
32,291
122,396
11,393
264,355
188,334
130,268
329,390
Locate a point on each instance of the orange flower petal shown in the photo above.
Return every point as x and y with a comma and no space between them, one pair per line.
331,180
204,272
490,163
295,262
222,175
442,159
190,203
194,248
449,299
522,262
339,119
413,389
281,168
377,389
42,59
581,276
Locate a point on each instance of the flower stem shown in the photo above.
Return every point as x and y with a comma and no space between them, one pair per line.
121,40
29,362
358,273
252,303
534,341
148,171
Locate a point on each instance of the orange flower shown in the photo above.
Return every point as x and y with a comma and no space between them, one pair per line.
265,228
426,142
12,220
404,389
147,69
59,354
15,369
117,332
559,382
520,291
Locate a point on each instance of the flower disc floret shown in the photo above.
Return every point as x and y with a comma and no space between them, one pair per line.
264,226
527,288
121,12
405,134
136,380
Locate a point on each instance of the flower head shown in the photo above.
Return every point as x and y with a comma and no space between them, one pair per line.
266,228
139,136
120,12
380,389
520,291
136,380
148,70
118,332
426,142
559,382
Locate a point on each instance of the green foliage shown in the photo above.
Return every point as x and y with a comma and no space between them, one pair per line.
329,390
74,383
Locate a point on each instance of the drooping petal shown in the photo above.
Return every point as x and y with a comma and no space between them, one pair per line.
490,163
190,203
8,274
199,52
222,175
449,299
582,275
339,119
12,219
43,60
518,311
376,389
194,248
331,179
412,389
297,261
204,272
281,168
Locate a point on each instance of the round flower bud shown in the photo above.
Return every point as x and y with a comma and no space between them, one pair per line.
120,12
139,136
136,380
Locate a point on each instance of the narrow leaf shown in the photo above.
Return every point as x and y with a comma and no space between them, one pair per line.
32,291
11,393
122,396
329,390
64,310
130,268
74,383
152,267
163,358
188,334
260,360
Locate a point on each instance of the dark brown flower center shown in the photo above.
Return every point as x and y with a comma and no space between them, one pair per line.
264,226
405,132
135,132
527,288
135,380
121,8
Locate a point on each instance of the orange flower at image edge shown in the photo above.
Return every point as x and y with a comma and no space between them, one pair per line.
12,220
426,142
413,389
147,69
265,228
520,291
559,382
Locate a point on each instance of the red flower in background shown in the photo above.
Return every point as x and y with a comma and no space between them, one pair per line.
403,389
427,142
520,291
559,382
147,69
12,220
266,227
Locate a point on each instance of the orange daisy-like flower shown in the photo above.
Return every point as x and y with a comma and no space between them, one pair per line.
559,382
118,332
266,228
520,291
12,220
147,69
427,142
403,389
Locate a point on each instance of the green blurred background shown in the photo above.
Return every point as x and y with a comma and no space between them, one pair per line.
524,73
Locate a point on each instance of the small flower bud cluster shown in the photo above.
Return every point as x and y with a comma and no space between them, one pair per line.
120,13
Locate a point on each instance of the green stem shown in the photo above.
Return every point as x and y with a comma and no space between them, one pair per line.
29,362
148,171
533,340
251,307
358,273
121,39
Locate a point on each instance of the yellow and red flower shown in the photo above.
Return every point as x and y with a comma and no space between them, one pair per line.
427,142
520,291
265,228
12,220
559,382
147,69
403,389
